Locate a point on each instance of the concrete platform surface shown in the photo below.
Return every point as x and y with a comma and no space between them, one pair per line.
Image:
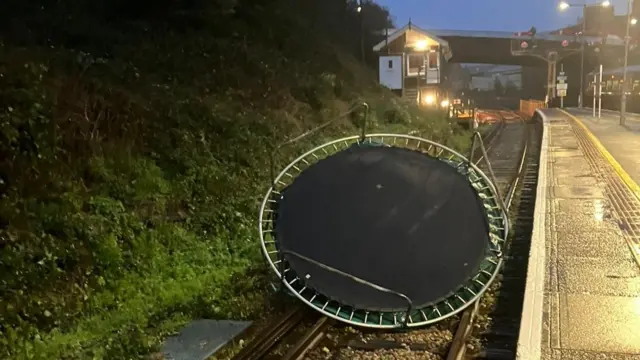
592,281
623,142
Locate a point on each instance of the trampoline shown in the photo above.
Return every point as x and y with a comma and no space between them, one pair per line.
383,230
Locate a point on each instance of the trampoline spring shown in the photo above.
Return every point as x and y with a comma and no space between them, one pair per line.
366,317
406,143
437,311
326,303
485,272
293,281
277,262
459,298
272,201
351,315
302,290
267,220
316,156
338,311
478,282
282,183
289,175
440,151
449,305
492,261
394,142
324,151
313,297
305,161
335,147
296,168
424,315
473,293
269,242
395,319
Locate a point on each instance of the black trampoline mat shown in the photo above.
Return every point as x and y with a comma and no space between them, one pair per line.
394,217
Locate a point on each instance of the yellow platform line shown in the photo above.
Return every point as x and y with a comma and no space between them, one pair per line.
633,187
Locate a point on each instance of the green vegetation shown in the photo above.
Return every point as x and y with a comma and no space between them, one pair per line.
133,144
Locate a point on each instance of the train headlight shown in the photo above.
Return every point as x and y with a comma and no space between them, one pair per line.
429,99
444,103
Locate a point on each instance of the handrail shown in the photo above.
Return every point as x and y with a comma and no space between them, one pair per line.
312,131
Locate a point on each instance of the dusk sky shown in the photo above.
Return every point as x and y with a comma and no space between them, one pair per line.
500,15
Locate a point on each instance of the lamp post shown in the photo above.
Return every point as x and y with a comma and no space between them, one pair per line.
564,6
623,98
359,10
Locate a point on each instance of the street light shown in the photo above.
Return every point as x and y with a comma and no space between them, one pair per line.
627,38
564,6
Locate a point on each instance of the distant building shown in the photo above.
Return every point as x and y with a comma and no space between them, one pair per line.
483,77
412,63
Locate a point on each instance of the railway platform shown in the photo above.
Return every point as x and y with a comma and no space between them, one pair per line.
582,298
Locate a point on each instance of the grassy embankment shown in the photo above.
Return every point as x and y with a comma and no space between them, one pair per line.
133,155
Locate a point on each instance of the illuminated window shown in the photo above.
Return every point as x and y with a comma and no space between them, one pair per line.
415,62
433,60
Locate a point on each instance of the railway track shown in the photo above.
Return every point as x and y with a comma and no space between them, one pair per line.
512,150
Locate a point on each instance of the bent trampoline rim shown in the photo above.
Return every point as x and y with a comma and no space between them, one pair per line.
371,137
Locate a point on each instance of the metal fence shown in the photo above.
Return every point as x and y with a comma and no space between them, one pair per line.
528,107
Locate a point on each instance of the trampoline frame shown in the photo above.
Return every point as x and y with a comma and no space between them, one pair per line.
457,301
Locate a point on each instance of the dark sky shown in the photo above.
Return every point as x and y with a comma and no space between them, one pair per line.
501,15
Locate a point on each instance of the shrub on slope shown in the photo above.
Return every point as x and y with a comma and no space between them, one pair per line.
132,158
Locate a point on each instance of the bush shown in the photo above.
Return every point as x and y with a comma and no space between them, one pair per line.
133,156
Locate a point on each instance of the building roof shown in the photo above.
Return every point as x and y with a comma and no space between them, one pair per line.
393,34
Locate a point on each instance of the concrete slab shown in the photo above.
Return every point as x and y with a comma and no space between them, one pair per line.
202,338
577,222
566,143
562,153
598,276
576,192
587,355
591,207
603,244
599,323
568,180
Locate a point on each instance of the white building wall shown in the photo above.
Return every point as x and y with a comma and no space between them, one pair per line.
390,71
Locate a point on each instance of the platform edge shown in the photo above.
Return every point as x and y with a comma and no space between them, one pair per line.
530,334
635,189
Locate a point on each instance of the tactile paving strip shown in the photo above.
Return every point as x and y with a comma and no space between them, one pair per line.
625,203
